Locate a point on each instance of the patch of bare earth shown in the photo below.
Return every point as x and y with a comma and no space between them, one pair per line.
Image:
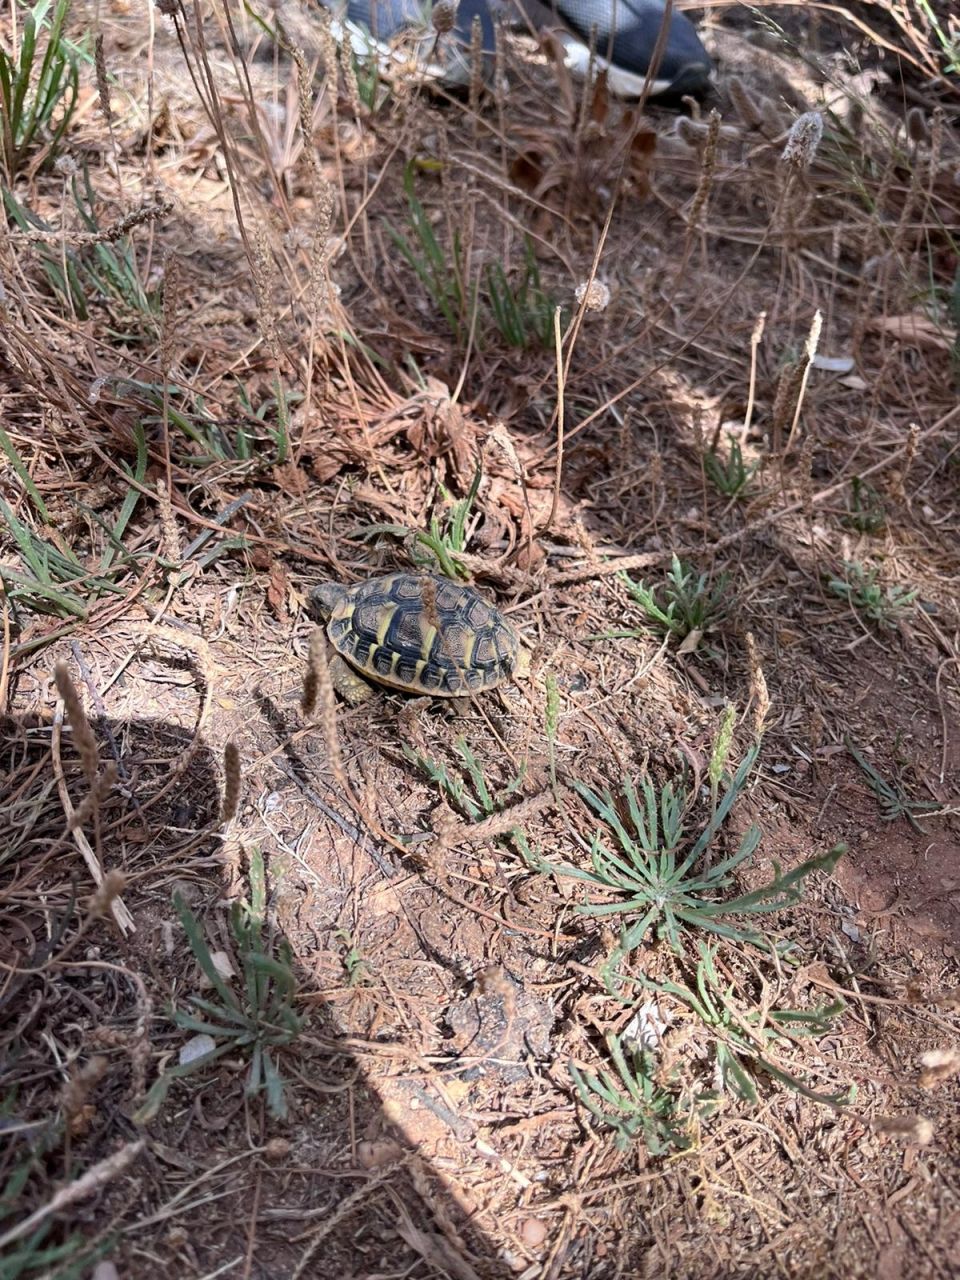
445,976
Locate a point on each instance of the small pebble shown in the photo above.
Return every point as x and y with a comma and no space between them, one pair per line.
533,1232
277,1149
374,1155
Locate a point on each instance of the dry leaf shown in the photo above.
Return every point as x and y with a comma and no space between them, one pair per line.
437,1252
196,1047
916,330
326,466
440,430
277,587
290,479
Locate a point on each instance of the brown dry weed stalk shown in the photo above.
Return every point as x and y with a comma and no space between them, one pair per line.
319,697
351,89
83,738
106,896
263,277
152,210
169,531
106,110
810,351
100,789
476,68
708,167
231,783
316,654
759,694
79,1086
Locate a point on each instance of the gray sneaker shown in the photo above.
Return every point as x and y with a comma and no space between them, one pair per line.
624,32
625,36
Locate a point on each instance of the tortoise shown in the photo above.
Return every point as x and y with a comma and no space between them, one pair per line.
418,632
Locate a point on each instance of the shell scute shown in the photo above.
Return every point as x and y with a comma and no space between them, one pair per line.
424,633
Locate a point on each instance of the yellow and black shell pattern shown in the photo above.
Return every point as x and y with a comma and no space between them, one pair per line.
422,633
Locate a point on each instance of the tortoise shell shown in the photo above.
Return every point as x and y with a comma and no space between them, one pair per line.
422,633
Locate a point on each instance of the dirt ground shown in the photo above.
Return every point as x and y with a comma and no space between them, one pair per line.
314,376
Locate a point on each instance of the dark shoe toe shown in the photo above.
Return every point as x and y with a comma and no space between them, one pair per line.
626,33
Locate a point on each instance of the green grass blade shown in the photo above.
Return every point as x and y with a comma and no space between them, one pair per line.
27,480
198,945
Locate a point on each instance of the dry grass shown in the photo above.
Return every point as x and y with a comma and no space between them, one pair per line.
265,322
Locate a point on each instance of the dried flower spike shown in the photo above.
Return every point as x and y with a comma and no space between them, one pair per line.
106,895
803,140
83,737
444,16
912,1129
938,1065
748,108
103,84
593,295
693,132
476,64
231,783
708,165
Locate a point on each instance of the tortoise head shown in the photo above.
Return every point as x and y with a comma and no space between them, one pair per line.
325,598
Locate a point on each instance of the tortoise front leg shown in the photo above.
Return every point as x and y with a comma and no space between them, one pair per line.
348,683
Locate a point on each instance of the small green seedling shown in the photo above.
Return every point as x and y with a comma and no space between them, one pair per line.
104,272
357,969
745,1037
685,605
440,275
471,795
50,577
442,545
447,539
467,791
522,312
258,1021
635,1103
947,37
893,800
731,475
860,587
866,513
